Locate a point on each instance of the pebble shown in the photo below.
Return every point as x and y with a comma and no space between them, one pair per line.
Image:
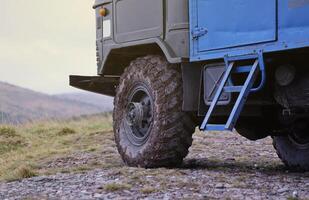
96,195
295,194
219,186
282,190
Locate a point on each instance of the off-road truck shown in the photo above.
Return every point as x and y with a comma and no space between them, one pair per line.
222,65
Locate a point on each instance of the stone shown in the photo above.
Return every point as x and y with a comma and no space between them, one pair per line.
282,190
295,194
220,186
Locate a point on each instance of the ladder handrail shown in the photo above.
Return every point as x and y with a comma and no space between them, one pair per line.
263,74
258,56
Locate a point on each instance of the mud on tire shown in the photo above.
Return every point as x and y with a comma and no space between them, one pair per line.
168,135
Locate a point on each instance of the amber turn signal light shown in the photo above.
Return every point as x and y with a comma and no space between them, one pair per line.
103,12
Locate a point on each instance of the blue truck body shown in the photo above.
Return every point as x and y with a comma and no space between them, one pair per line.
222,28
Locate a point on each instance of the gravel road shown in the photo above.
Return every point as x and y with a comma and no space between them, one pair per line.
219,166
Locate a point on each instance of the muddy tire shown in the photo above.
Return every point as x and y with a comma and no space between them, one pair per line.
293,149
151,130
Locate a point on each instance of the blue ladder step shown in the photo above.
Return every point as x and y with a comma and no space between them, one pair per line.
231,89
215,127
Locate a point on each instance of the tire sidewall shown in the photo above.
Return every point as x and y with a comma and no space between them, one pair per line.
293,155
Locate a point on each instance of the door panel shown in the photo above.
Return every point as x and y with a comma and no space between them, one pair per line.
138,19
231,23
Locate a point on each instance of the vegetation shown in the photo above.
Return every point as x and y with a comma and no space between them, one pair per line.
38,148
148,190
112,187
9,139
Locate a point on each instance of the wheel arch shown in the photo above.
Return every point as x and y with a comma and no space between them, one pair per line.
118,57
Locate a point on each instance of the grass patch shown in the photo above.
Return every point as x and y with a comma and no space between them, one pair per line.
292,198
148,190
66,131
38,144
7,132
10,140
25,172
113,187
21,172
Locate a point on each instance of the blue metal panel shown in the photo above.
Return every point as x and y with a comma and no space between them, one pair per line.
293,20
292,30
232,23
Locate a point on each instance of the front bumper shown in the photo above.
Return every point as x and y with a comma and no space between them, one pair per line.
97,84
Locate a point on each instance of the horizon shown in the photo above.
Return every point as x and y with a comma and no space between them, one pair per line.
43,42
73,91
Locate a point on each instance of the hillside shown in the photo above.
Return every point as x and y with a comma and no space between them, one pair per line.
19,105
105,103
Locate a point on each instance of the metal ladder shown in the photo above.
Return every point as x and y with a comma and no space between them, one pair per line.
244,90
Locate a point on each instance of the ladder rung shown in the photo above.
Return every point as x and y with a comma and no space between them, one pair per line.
242,69
215,127
233,88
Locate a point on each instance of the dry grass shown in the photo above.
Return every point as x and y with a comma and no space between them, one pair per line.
113,187
24,150
10,140
148,190
24,172
66,131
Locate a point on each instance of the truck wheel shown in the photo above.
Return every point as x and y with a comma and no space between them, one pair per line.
293,149
151,130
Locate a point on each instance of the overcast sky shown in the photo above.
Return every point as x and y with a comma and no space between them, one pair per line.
43,41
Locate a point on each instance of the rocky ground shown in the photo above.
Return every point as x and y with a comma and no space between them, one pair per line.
219,166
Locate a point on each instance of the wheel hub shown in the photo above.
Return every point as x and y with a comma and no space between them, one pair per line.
139,116
135,114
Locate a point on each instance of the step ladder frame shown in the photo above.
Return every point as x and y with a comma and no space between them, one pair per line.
243,90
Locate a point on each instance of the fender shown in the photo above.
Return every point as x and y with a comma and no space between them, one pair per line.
114,66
